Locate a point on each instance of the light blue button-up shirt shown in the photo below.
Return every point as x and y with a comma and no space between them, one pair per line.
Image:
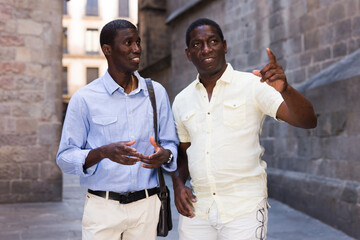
102,113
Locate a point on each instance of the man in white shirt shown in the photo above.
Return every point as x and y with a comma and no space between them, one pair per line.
219,118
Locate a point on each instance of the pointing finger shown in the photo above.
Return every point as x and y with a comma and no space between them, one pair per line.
271,56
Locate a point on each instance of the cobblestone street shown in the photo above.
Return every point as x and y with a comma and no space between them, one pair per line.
62,220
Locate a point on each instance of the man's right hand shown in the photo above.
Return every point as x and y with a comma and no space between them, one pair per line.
121,152
184,199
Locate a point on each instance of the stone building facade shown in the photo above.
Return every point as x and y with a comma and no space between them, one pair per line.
30,100
317,42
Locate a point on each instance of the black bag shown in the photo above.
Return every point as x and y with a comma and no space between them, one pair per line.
165,220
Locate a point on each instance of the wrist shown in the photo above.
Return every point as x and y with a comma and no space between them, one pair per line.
285,88
170,157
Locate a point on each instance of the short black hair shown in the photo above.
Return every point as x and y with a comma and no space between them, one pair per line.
201,22
108,32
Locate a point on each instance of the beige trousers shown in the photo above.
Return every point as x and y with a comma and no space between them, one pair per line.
250,226
109,220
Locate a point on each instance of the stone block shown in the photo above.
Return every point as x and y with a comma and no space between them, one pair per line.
7,54
7,82
275,20
12,68
311,40
356,26
311,71
23,55
9,171
29,27
20,187
312,5
343,30
29,171
307,22
49,170
31,97
11,40
16,139
4,110
294,45
29,83
31,154
278,33
26,125
33,70
4,186
26,110
336,12
350,192
297,10
322,54
34,42
49,134
253,58
353,126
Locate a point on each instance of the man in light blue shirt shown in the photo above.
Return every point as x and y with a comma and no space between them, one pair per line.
107,140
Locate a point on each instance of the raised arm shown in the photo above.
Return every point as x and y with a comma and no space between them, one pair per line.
296,109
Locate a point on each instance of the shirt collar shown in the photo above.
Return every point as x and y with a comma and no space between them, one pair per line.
111,86
226,77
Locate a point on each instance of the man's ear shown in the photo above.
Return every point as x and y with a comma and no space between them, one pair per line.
225,46
187,52
106,48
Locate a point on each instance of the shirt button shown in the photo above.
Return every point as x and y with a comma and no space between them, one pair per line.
208,113
214,193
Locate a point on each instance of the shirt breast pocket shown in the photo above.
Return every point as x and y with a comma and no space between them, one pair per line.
189,121
105,126
234,113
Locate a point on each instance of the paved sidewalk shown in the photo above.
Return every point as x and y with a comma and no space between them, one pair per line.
62,220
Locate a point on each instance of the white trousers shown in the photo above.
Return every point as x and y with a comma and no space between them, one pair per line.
109,220
250,226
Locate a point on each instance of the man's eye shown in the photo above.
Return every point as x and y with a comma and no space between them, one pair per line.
128,43
213,41
196,44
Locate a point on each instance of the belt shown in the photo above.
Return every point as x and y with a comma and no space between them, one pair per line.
129,197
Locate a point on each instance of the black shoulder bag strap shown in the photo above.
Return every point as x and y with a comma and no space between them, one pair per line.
153,103
165,221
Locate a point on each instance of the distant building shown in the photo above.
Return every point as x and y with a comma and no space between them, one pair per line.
83,60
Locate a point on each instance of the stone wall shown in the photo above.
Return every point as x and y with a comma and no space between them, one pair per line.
312,170
30,100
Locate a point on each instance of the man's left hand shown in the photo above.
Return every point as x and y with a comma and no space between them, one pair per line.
273,74
155,160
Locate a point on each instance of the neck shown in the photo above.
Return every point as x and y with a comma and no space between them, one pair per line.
126,80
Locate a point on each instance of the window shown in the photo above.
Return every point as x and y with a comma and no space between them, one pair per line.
92,8
91,74
92,41
65,10
64,40
123,8
64,80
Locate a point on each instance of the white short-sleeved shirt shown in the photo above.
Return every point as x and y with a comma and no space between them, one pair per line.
225,154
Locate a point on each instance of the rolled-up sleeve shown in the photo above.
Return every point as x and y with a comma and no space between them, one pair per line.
167,132
72,153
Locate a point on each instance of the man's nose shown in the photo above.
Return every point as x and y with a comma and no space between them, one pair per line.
136,47
206,48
